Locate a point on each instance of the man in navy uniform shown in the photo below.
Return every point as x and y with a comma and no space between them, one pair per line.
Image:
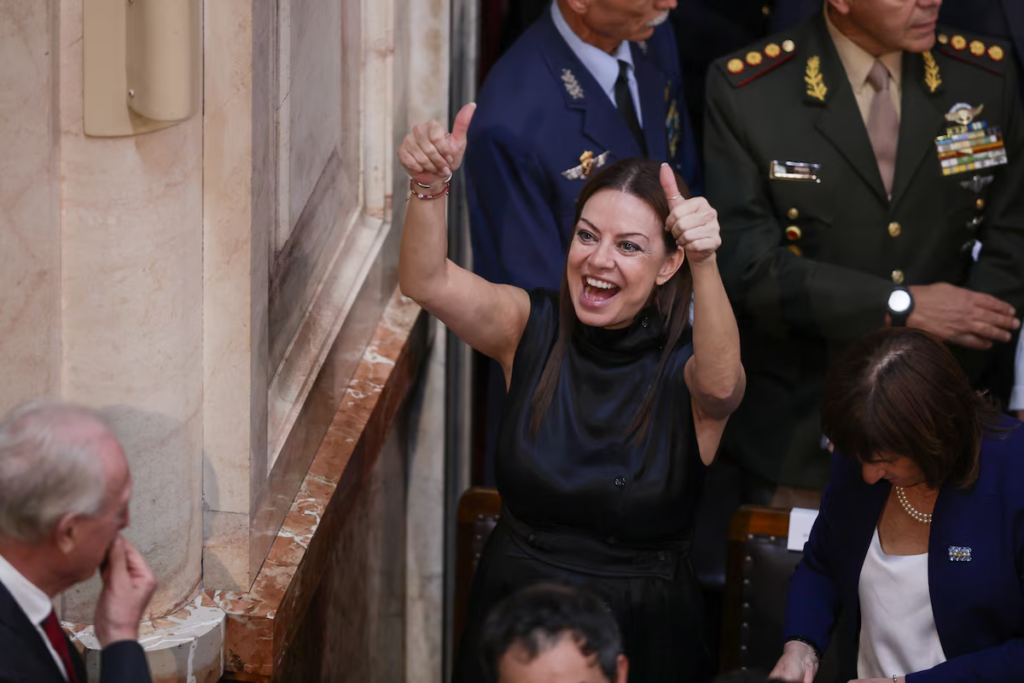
591,82
867,170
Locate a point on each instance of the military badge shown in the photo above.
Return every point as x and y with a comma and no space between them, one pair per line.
977,48
815,85
673,128
996,53
963,114
588,162
772,51
800,171
572,86
735,66
754,58
788,45
932,77
970,145
959,43
977,184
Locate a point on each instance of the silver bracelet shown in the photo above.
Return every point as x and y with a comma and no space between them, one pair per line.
427,187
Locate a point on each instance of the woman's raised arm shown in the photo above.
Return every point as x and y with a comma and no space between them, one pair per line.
490,318
714,374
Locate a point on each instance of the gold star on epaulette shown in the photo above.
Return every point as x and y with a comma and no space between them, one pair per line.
982,52
750,65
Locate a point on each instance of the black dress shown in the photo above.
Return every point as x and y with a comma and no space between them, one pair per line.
587,505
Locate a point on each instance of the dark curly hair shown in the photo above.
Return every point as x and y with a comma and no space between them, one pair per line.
538,617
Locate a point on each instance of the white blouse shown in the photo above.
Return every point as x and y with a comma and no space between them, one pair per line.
897,626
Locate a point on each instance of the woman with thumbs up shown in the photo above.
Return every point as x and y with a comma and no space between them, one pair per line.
616,402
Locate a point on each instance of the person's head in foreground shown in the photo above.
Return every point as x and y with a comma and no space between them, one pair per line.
64,494
549,633
899,403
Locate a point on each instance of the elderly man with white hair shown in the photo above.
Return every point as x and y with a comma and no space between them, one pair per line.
64,493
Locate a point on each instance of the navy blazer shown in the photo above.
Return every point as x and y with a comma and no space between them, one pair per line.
978,605
538,112
24,657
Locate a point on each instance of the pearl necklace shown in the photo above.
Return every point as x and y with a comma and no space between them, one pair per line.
911,510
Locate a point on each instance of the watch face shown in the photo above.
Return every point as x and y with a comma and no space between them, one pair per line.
899,301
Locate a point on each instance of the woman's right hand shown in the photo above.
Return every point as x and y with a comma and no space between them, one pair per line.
430,153
798,664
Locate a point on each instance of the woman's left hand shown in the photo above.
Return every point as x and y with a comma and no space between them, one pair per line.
692,222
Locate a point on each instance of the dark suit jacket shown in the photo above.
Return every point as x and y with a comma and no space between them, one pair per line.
538,112
804,286
978,605
24,657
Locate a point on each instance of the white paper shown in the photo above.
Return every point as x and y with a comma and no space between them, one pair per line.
800,522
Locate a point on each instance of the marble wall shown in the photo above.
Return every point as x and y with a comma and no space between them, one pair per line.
213,286
29,200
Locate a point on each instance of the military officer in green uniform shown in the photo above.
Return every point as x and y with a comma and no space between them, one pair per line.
867,169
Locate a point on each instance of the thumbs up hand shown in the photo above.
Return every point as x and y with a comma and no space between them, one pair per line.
692,222
430,154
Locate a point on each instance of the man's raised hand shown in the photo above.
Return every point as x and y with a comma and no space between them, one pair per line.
430,154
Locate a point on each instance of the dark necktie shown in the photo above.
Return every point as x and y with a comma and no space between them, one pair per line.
56,637
624,101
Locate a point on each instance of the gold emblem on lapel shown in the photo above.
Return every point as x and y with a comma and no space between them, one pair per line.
815,85
588,162
932,77
572,86
963,114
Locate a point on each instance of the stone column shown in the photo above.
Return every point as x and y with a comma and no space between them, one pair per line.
131,281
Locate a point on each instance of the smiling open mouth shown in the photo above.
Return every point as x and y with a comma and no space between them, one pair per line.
596,292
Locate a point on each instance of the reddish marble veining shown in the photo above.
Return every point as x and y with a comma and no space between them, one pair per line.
262,622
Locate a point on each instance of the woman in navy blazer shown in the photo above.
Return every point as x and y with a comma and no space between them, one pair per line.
939,474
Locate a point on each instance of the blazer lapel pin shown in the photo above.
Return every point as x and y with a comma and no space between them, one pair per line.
959,553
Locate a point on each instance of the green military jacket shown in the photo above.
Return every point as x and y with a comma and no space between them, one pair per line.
813,246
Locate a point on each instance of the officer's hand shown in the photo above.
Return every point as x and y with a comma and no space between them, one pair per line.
430,154
692,222
960,316
798,664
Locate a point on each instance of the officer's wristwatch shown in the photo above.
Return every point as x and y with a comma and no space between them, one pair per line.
901,303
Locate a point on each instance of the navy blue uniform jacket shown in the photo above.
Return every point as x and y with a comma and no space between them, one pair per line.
978,605
538,112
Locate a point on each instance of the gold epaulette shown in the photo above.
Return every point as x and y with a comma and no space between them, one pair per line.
746,67
981,51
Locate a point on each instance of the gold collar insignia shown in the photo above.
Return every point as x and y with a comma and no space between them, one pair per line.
932,77
816,87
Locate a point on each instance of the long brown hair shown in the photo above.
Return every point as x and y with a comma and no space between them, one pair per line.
901,391
642,179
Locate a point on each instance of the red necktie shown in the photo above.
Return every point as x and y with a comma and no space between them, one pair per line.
51,627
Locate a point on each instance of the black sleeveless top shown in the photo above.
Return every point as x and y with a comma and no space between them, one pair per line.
583,471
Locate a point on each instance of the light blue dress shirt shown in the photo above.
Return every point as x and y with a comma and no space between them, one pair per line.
601,65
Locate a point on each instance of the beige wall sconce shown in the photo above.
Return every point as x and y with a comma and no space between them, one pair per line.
143,64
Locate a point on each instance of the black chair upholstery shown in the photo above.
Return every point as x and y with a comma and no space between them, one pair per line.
757,583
